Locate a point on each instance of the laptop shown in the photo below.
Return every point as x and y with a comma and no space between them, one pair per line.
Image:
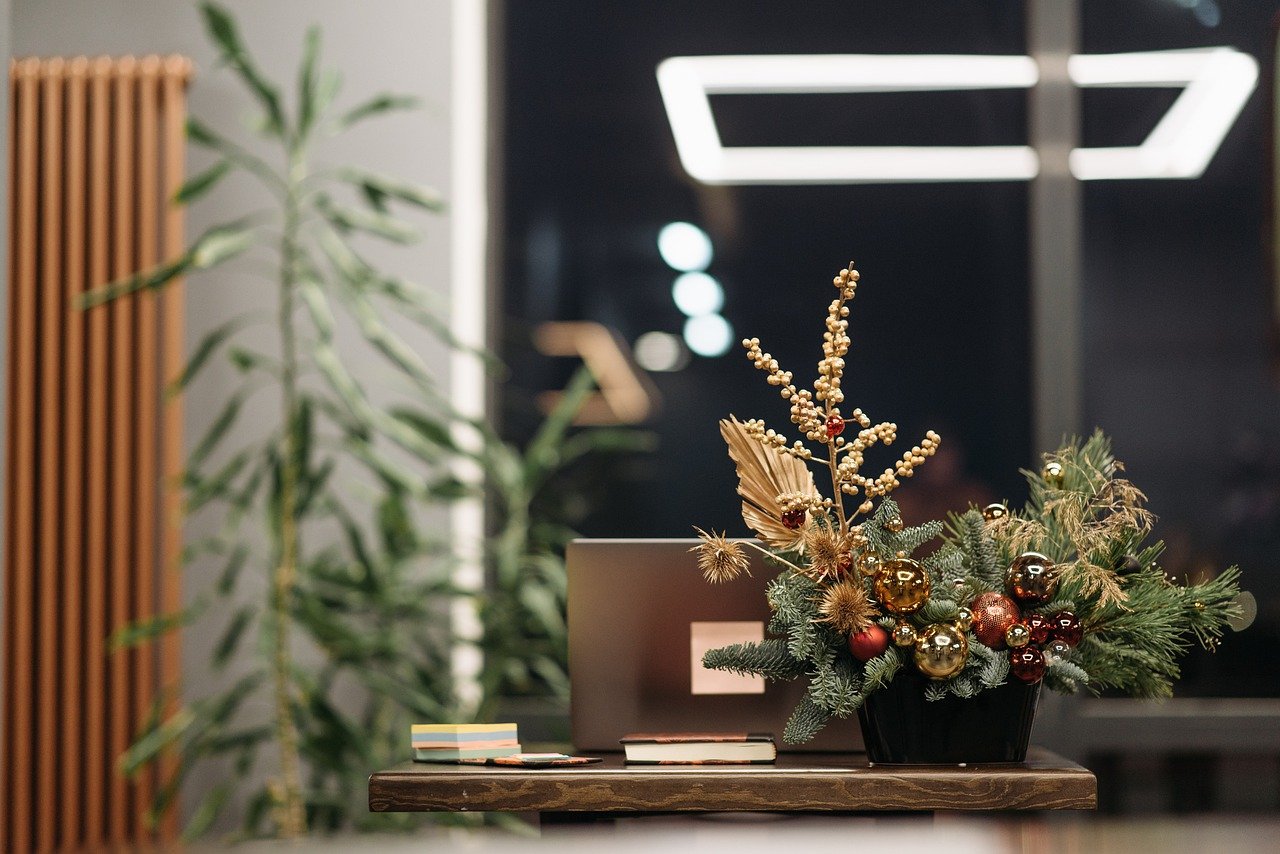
640,617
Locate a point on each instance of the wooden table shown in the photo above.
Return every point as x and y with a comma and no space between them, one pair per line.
799,782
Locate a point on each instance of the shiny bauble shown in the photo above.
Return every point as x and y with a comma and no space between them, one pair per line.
868,562
1031,578
941,651
1054,474
1027,664
1065,626
868,643
904,634
793,518
1128,564
893,523
993,614
993,512
835,426
964,619
902,586
1017,636
1055,650
1040,626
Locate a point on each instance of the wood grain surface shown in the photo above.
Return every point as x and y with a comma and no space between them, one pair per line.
797,783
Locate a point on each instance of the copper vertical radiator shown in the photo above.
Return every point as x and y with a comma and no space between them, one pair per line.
92,512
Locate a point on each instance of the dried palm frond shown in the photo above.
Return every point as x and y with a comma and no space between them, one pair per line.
763,475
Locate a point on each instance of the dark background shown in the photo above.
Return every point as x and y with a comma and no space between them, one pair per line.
1178,362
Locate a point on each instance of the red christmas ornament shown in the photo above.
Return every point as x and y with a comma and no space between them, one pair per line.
835,426
1027,664
793,518
868,643
993,614
1040,627
1065,626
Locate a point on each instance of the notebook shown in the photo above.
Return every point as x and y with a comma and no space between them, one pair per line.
640,617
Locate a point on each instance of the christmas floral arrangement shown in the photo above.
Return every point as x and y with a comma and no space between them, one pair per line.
1067,592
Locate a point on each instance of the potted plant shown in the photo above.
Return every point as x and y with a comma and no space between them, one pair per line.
942,655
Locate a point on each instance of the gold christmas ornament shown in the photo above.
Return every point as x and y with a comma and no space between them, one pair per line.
869,562
1054,474
1031,579
994,511
1017,636
904,634
902,586
941,651
893,523
964,619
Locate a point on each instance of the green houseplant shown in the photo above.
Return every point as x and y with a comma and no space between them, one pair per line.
339,484
363,586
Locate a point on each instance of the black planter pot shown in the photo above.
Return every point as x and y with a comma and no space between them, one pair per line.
899,726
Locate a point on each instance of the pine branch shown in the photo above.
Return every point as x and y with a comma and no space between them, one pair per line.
805,722
768,658
936,690
835,687
939,610
1061,675
879,671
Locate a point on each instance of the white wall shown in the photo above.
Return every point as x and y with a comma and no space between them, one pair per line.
400,45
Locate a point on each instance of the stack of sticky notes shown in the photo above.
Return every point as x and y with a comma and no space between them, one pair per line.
451,742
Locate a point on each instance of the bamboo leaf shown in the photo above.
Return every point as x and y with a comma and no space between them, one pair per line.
399,538
152,279
308,102
149,746
378,188
245,361
145,630
222,244
231,569
206,812
542,455
222,30
208,345
376,106
197,185
433,430
217,431
370,222
202,490
231,636
317,305
201,134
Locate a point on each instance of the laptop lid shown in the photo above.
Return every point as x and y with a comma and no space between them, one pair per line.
640,617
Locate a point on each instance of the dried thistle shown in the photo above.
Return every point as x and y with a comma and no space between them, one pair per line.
847,608
720,559
830,553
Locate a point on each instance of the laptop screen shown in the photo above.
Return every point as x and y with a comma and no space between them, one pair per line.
640,617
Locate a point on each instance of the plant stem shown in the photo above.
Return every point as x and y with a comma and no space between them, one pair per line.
292,814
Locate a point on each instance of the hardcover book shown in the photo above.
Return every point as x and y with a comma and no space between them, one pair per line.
699,748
